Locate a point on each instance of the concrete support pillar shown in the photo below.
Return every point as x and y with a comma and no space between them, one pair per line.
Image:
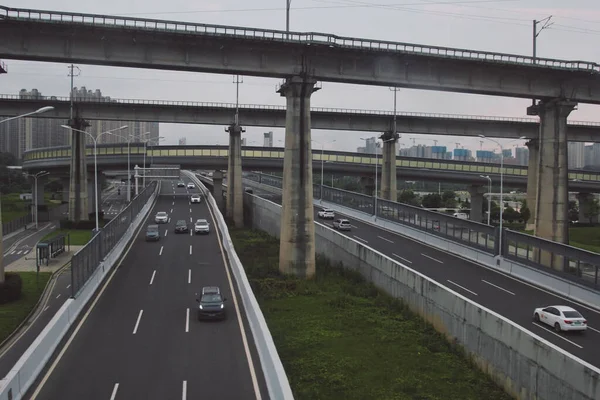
78,193
532,180
368,184
65,182
476,193
39,189
235,192
585,200
218,188
389,184
552,205
297,238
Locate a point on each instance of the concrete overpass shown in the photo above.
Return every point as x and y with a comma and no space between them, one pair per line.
302,59
186,112
114,157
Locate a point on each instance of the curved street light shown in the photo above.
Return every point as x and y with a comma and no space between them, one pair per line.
38,111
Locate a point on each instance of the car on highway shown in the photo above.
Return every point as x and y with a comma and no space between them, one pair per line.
342,225
326,213
180,184
211,303
191,185
195,198
152,233
561,318
201,226
161,217
181,226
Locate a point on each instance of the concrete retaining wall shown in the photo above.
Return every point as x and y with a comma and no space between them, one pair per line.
531,275
18,381
526,365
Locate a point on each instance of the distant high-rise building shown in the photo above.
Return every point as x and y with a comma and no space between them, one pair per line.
24,134
462,154
182,141
592,155
576,154
268,139
485,156
522,155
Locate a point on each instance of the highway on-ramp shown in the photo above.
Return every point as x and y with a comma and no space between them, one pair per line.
508,296
140,339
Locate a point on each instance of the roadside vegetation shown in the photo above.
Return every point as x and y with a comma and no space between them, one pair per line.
77,237
339,337
13,313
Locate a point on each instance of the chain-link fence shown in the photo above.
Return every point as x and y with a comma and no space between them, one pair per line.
16,224
88,258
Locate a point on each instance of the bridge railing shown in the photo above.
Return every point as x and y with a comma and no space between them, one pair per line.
88,258
567,262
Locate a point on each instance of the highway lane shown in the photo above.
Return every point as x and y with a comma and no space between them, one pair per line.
140,341
505,295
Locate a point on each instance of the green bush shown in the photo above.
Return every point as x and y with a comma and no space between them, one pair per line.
10,290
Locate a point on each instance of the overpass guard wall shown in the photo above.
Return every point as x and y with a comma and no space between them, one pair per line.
527,366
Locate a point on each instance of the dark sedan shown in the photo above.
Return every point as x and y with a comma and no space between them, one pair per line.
181,226
212,305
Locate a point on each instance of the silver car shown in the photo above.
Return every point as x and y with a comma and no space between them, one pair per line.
342,225
161,217
201,226
195,198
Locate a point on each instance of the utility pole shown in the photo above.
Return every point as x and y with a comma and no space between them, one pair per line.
72,75
546,24
288,3
237,82
395,90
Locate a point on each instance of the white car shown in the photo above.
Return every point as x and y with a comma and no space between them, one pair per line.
561,318
201,226
195,198
161,217
342,225
326,213
190,186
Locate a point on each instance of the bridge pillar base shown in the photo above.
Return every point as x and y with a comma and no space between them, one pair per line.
585,203
476,193
552,205
235,193
389,182
297,238
218,188
78,193
532,179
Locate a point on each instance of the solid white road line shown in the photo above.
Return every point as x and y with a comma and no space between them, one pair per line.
462,287
137,323
190,249
402,258
556,334
595,330
359,238
153,274
184,391
160,252
187,320
387,240
431,258
114,392
189,276
497,287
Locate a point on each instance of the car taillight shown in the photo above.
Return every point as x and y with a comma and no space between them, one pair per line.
567,322
585,322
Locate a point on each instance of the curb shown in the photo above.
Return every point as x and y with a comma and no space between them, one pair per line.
35,308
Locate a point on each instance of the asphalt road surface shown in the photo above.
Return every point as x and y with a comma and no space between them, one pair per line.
142,340
508,296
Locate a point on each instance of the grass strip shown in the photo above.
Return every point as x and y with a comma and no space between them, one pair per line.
77,237
12,314
339,337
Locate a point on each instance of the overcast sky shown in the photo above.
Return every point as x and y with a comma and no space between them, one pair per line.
501,26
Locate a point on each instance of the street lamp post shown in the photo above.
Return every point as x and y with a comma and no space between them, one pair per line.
35,191
489,197
95,140
145,145
322,159
501,184
38,111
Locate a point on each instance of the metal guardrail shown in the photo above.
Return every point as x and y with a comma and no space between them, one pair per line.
88,258
306,38
269,107
16,224
568,262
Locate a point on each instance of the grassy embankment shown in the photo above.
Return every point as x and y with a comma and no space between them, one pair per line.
77,237
340,338
12,314
13,207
